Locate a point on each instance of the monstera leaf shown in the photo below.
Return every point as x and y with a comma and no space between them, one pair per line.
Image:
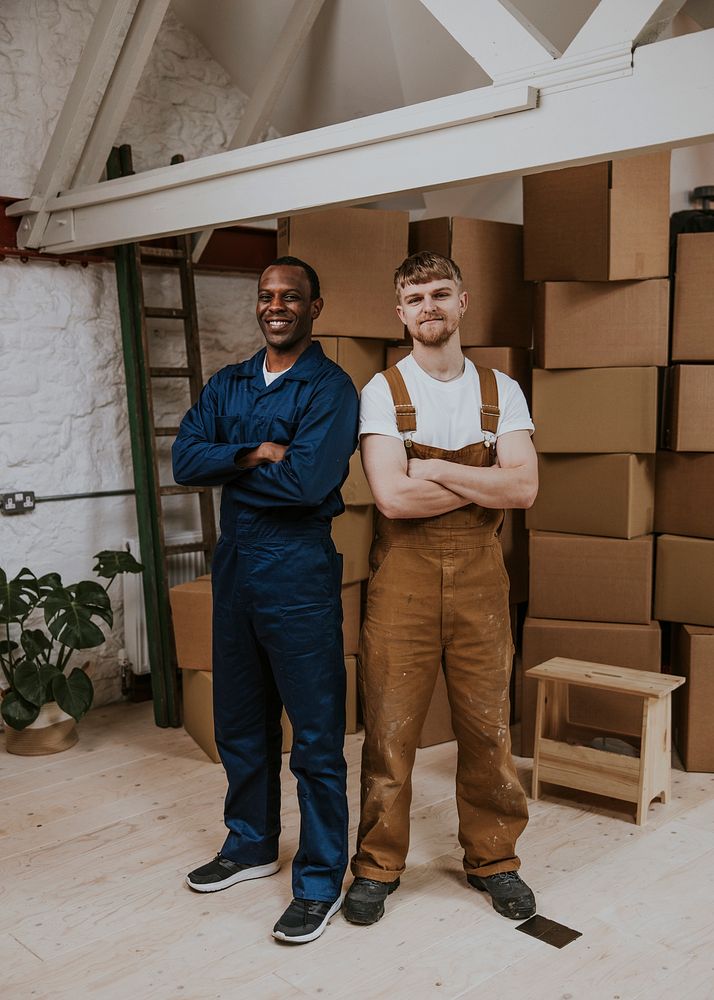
32,681
110,564
34,643
69,614
73,694
17,712
49,582
17,597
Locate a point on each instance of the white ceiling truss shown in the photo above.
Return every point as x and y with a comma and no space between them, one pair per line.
609,94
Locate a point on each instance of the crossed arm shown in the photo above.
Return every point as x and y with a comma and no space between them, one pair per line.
426,487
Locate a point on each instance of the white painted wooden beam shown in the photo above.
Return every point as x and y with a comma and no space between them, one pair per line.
257,112
494,33
666,101
616,21
75,120
123,82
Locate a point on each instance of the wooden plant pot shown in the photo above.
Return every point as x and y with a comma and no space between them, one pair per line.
52,731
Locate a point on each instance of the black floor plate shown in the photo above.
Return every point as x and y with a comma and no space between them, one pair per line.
558,935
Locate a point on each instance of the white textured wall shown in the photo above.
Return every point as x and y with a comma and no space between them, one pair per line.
63,412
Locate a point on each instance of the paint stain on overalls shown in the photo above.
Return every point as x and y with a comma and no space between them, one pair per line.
438,598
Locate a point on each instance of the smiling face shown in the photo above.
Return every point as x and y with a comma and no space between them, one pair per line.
432,310
285,310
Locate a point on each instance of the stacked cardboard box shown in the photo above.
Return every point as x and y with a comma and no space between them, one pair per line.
684,501
596,240
191,608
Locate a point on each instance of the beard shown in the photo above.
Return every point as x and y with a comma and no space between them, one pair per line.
439,334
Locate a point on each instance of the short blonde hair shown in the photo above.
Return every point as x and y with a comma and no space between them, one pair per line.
419,268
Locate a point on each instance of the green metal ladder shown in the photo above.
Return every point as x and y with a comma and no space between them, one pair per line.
140,374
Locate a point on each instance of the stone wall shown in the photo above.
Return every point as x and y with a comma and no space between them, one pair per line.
63,411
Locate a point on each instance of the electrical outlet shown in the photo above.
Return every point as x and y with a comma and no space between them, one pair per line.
17,503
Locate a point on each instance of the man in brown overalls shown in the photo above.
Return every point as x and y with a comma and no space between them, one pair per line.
446,447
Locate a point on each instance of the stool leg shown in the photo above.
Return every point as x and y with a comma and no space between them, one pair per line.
664,706
539,720
648,759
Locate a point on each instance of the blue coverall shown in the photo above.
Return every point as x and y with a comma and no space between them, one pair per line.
277,612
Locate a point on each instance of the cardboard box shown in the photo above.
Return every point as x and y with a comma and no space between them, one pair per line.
599,222
692,728
198,713
361,359
191,610
437,724
352,617
689,408
684,582
619,645
684,494
490,257
595,410
514,543
352,534
601,324
512,361
693,320
609,495
355,252
355,489
589,578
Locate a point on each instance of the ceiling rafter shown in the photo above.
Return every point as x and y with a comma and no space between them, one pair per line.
494,33
636,22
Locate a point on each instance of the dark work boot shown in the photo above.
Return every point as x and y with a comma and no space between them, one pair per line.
509,894
364,902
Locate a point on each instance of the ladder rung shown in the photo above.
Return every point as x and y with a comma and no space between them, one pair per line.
166,432
161,253
171,372
177,550
169,491
163,312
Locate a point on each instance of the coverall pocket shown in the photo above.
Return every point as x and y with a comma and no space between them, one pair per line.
229,429
379,553
497,553
281,431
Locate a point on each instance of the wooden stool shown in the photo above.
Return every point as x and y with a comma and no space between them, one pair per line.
632,779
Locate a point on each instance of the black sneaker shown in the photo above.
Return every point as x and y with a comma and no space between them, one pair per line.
509,894
364,902
305,919
221,873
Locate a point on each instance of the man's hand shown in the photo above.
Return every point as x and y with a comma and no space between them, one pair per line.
424,468
266,452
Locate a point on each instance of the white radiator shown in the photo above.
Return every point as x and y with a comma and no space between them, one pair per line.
182,567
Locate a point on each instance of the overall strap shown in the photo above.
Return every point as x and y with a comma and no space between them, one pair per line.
403,407
490,411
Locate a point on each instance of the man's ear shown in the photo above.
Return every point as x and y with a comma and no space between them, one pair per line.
464,302
400,313
316,308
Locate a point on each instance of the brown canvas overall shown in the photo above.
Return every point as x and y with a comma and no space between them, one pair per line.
438,596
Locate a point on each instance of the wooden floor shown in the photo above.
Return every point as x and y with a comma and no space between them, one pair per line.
95,842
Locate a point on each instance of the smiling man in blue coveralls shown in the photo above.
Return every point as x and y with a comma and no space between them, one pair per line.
276,432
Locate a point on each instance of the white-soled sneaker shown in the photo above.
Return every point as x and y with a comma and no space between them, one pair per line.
222,873
305,920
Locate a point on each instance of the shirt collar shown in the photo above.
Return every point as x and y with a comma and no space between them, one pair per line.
302,370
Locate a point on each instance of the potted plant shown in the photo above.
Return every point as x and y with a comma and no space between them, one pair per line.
42,699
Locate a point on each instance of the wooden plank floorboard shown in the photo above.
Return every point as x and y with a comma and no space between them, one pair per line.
94,898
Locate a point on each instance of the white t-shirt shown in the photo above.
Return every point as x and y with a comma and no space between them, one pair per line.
271,376
448,414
